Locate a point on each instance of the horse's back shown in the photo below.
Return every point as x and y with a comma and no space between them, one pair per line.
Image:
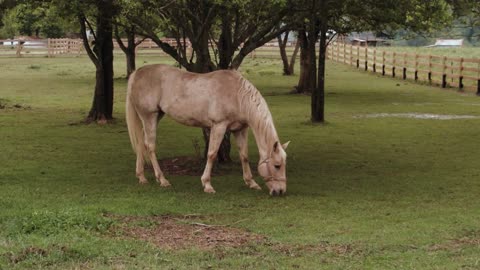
189,98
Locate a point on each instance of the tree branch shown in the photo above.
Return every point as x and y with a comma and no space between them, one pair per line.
215,51
331,39
169,50
90,27
119,40
140,41
257,41
83,33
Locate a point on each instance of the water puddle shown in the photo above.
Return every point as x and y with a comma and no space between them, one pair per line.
418,116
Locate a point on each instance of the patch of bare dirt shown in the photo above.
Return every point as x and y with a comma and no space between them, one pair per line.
456,244
4,105
191,166
180,233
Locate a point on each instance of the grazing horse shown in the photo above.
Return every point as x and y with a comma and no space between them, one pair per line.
221,100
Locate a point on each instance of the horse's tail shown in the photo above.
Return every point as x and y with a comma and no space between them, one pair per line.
134,124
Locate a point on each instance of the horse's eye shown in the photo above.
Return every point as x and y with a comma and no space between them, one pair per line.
277,167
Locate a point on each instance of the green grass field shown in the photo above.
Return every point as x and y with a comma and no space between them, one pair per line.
363,193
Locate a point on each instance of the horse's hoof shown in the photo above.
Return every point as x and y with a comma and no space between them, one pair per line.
142,182
165,184
209,190
255,186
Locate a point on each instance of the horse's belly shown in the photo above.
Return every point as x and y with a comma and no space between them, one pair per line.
191,122
190,119
236,126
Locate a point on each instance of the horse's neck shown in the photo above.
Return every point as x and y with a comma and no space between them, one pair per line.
259,118
265,135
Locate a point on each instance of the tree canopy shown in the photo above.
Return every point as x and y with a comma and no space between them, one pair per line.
232,29
34,18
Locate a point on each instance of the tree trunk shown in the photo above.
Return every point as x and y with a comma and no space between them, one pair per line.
130,52
204,65
312,55
225,44
306,81
282,44
131,67
102,106
318,95
291,67
203,62
223,155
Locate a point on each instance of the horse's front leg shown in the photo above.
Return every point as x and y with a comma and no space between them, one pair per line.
241,137
216,136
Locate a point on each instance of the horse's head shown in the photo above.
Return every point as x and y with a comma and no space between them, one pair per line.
273,169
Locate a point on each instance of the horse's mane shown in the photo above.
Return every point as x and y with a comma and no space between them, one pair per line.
253,105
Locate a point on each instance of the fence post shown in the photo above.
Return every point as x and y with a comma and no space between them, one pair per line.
366,58
404,66
444,73
478,87
383,63
394,62
338,52
19,48
416,67
460,79
430,69
358,56
375,60
478,80
332,51
351,55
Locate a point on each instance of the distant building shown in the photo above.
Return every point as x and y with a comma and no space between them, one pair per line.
447,43
363,39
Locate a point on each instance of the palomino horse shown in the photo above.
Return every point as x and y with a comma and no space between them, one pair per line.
221,100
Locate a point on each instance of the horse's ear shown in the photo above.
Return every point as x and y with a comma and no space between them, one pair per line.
275,147
285,145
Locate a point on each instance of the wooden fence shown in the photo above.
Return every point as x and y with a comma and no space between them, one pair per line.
57,46
459,72
65,46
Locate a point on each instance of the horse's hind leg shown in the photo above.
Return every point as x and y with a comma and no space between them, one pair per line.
150,132
140,168
241,137
216,136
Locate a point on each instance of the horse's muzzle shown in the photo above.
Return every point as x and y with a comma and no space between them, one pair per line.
278,192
